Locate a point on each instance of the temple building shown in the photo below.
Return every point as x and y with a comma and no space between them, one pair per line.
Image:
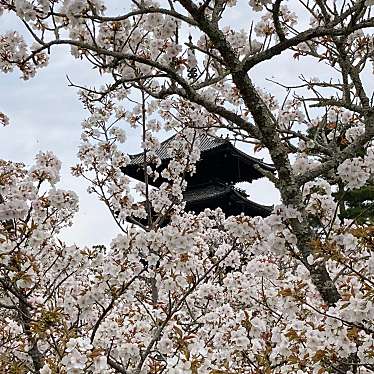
220,167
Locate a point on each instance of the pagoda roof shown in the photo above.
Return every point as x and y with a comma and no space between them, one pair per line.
206,143
234,165
227,197
231,200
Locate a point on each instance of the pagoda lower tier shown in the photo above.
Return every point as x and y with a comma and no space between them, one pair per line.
231,200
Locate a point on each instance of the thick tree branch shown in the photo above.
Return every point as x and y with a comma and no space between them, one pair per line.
266,124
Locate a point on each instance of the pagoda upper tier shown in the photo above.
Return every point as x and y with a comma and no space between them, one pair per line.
219,160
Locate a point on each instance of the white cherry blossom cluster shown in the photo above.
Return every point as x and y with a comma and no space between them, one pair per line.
303,164
238,40
354,132
18,196
258,5
236,280
265,27
31,10
76,358
75,8
14,53
356,172
13,209
47,167
320,203
290,114
101,161
25,10
13,48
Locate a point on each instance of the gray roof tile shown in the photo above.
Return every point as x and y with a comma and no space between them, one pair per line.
207,143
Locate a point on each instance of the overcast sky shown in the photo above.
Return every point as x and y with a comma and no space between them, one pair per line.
45,115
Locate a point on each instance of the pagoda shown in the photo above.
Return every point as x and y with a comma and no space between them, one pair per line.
212,186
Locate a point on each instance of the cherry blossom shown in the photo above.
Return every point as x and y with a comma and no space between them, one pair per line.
176,292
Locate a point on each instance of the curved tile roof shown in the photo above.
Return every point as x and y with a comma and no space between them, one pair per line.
216,191
207,143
